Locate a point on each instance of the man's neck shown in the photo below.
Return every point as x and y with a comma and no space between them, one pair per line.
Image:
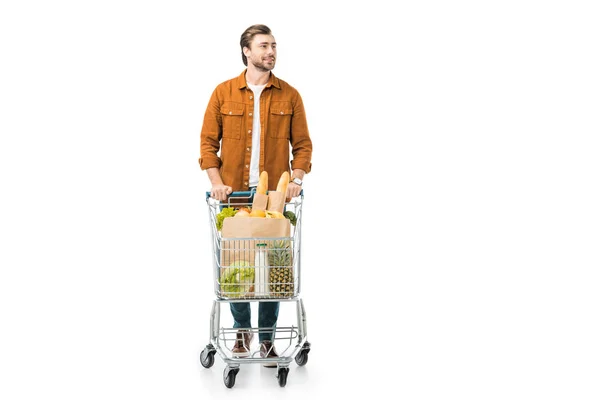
256,77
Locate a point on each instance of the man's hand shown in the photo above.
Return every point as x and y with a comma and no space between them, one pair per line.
293,190
220,192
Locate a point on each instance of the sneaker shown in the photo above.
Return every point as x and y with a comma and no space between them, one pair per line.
267,350
241,348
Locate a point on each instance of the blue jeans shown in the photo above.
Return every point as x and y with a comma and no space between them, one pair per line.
268,311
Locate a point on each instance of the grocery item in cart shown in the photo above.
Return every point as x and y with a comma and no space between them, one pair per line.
281,273
255,228
237,280
261,271
277,197
260,200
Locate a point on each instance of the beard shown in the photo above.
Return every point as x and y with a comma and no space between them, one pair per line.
262,66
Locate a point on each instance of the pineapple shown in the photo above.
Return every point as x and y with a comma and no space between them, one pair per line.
281,276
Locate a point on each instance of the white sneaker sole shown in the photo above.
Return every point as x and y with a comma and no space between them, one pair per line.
270,365
241,355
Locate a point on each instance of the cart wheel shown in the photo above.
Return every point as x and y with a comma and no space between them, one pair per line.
229,376
207,357
302,358
282,374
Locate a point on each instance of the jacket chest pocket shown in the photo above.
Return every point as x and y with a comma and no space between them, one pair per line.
280,119
232,115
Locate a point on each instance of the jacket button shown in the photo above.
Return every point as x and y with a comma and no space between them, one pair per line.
249,130
246,165
247,148
250,114
246,183
250,97
230,112
280,112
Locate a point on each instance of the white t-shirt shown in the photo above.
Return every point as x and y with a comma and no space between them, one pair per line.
255,156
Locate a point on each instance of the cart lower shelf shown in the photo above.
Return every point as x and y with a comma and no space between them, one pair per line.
290,341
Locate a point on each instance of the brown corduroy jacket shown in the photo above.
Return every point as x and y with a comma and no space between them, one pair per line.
227,128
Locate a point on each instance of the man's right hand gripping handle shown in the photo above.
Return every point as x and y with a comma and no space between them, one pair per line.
220,192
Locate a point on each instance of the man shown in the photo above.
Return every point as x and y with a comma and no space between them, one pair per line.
250,125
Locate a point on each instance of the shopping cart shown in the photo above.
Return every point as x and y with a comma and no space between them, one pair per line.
256,269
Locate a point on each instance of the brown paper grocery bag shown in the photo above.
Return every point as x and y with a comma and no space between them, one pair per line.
276,201
260,201
249,227
240,236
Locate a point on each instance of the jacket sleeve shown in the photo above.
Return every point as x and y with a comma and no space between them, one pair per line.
210,135
300,138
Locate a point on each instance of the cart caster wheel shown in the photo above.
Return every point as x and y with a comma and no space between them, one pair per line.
302,358
229,376
282,374
207,357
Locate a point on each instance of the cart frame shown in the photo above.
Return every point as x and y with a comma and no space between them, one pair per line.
220,338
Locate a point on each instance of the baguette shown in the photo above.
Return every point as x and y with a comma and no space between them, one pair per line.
283,182
263,183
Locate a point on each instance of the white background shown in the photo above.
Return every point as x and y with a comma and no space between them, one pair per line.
451,221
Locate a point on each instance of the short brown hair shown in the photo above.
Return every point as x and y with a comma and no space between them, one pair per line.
249,34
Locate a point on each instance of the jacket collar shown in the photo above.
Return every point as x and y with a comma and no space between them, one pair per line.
273,81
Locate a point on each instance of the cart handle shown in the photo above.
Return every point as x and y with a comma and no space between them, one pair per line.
247,194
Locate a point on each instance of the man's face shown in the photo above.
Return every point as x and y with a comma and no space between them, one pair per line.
262,52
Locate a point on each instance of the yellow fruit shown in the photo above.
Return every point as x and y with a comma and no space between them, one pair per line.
258,213
274,214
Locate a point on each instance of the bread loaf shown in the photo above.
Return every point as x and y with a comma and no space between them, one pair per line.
263,183
283,182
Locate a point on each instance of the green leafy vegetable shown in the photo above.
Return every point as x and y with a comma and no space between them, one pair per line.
291,216
237,280
226,212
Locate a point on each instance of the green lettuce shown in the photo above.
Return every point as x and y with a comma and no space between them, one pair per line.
226,212
237,279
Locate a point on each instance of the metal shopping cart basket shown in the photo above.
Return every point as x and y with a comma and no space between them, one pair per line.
256,269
